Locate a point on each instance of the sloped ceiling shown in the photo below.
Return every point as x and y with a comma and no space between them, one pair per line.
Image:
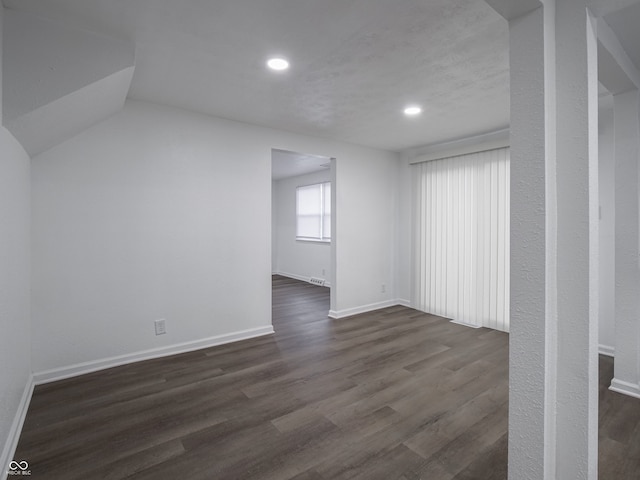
58,80
626,25
354,65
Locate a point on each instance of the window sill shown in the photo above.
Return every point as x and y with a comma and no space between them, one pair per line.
319,242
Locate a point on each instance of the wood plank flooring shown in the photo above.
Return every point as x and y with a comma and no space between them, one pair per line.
393,394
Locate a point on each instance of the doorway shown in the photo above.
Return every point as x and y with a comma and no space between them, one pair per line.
303,217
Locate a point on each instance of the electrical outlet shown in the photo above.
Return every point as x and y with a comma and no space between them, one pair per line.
383,288
323,272
161,326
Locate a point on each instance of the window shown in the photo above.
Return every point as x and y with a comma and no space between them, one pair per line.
313,212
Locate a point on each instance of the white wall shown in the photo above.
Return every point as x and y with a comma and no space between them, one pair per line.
15,342
295,258
404,232
155,213
627,250
274,230
162,213
606,155
366,191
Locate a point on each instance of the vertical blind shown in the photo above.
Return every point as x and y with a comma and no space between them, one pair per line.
461,238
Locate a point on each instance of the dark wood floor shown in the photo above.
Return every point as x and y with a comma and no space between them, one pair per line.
394,394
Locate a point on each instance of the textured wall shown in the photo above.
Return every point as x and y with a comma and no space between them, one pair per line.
162,213
15,341
606,158
627,307
554,241
532,238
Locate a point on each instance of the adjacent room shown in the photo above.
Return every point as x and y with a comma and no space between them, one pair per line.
301,216
320,240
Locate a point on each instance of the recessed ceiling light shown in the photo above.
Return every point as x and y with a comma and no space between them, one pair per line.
278,64
413,110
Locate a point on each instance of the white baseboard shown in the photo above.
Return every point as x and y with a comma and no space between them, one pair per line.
95,365
300,277
464,324
626,388
606,350
16,428
348,312
404,303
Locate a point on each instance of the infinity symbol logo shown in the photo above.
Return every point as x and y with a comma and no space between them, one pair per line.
23,465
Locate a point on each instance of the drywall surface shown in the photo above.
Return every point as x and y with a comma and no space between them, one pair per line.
531,447
45,61
15,342
153,214
366,197
627,270
41,129
274,230
1,60
298,259
60,80
162,213
404,232
606,158
577,234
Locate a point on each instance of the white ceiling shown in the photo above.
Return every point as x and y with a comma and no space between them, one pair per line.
285,164
626,24
355,63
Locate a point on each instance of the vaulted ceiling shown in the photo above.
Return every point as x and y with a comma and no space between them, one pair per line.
354,64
